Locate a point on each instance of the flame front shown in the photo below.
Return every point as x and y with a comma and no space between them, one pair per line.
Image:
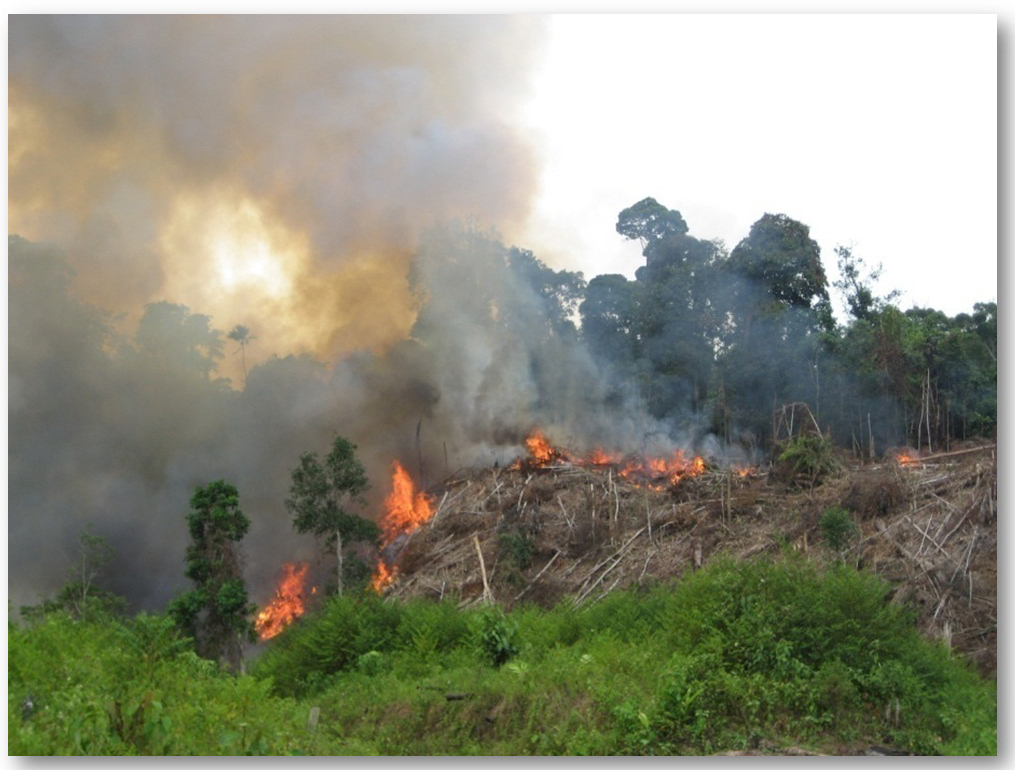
287,605
654,471
540,448
383,576
405,510
906,457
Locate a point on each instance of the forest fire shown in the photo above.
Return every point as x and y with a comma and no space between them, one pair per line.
907,458
540,448
405,509
650,470
287,605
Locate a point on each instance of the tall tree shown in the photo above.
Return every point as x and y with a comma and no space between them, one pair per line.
779,306
648,220
856,285
242,335
321,491
216,613
674,316
178,340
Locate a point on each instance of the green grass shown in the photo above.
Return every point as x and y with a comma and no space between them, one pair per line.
733,656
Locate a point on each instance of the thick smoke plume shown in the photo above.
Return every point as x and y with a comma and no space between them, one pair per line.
307,178
274,172
264,167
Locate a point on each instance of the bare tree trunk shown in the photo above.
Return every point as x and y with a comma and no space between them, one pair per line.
338,555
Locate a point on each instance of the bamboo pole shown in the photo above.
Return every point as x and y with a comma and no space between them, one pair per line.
487,596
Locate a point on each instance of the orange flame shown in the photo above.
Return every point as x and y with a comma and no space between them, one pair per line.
540,448
405,510
599,458
906,457
654,471
383,576
287,605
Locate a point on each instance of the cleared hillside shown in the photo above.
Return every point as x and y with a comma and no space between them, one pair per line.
570,532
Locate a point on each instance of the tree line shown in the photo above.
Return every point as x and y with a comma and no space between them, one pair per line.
725,338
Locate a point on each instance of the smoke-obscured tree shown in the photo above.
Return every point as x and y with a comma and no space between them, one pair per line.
81,595
969,374
216,613
779,308
663,328
242,335
680,319
322,489
856,284
647,221
497,328
178,340
608,320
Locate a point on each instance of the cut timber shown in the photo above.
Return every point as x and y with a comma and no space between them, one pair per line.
533,581
958,452
487,595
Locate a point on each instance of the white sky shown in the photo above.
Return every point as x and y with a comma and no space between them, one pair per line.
877,131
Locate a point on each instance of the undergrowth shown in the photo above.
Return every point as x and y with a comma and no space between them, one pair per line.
735,656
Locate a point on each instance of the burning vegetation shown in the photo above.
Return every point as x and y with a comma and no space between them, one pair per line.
405,509
557,526
288,603
657,472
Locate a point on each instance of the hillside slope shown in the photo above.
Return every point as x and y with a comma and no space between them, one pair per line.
572,532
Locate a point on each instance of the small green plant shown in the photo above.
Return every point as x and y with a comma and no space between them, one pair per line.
807,459
837,528
518,549
497,636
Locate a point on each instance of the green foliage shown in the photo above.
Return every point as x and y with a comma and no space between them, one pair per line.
497,636
648,220
807,458
730,657
517,548
134,688
837,528
216,613
80,595
321,491
781,258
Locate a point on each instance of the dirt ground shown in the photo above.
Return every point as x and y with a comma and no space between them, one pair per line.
573,532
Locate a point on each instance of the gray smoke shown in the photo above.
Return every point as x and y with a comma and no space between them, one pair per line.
356,147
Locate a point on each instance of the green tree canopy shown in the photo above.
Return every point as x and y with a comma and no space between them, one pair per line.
322,490
647,221
217,613
178,339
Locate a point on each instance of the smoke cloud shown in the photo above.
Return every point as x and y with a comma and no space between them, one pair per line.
308,178
260,167
275,172
333,184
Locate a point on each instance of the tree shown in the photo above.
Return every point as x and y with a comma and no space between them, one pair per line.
216,614
242,335
80,596
647,220
607,316
178,339
857,287
779,308
320,493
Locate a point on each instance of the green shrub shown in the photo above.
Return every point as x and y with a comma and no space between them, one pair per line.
497,635
837,528
517,549
806,459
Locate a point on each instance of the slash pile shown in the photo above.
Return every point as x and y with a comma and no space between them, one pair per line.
574,533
